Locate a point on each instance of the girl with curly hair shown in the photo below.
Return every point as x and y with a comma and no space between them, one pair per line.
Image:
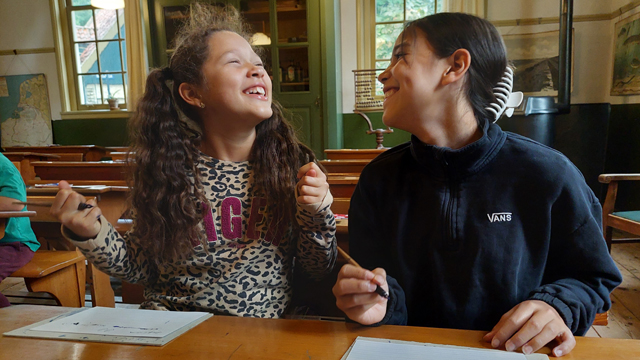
223,196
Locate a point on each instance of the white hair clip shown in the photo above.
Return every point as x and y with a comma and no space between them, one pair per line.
507,100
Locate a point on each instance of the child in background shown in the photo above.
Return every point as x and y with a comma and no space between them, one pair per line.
477,228
19,242
223,194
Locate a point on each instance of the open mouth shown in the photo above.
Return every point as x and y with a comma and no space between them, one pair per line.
258,92
389,93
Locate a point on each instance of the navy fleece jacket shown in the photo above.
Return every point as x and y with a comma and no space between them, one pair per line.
467,234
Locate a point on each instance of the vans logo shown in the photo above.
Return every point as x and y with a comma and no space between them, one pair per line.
499,217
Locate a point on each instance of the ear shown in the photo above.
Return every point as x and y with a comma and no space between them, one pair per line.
190,94
459,63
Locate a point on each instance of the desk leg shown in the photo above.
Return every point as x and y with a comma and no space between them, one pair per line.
101,290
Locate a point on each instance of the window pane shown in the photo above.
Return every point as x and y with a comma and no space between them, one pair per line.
389,10
112,85
420,8
85,54
294,65
292,21
174,16
386,36
124,55
439,6
257,16
109,56
80,2
82,25
107,24
90,93
121,20
379,85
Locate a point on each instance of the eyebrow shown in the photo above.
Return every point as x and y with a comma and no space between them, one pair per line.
399,46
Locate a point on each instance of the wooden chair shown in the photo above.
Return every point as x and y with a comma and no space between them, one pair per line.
59,273
628,221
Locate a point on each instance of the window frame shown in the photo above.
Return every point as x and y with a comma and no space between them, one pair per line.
370,50
72,108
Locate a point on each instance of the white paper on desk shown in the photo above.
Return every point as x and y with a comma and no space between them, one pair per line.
364,348
122,322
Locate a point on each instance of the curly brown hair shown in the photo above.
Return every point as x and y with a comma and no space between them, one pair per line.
166,194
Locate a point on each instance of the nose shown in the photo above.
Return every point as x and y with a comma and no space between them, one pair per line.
257,71
384,76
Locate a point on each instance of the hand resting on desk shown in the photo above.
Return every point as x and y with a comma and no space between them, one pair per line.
84,223
531,325
356,297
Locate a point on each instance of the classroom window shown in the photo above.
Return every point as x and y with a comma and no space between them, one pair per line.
97,53
390,17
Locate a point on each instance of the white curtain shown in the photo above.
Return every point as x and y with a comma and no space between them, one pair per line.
474,7
137,67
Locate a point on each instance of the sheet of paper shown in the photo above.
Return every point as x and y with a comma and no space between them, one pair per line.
384,349
122,322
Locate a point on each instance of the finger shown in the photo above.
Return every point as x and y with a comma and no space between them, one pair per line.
351,286
303,170
92,214
63,185
308,190
509,324
567,343
541,338
351,301
489,336
351,271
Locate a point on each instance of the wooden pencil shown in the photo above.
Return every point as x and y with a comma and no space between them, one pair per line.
380,291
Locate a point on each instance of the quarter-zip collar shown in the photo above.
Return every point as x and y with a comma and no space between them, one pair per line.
447,164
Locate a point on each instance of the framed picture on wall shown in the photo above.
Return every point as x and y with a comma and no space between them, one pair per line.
536,58
626,57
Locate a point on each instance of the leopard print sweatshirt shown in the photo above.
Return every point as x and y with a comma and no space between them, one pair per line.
248,268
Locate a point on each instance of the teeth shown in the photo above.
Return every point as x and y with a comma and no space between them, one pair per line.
389,93
255,90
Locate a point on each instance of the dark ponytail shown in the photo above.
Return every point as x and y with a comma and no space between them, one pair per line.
448,32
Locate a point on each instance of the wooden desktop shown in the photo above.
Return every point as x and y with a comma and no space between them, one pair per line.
224,337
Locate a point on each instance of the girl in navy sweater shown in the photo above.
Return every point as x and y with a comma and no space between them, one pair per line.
477,228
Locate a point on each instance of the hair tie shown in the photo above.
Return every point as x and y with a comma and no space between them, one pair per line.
167,73
506,100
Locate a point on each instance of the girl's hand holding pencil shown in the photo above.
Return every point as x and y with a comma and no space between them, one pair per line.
81,220
360,293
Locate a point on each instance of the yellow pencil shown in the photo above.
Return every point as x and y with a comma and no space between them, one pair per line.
380,291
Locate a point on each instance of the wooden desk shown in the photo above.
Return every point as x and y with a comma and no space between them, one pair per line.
4,215
25,159
111,200
89,152
353,154
80,170
225,337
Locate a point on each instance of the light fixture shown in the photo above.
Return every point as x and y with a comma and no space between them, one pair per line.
260,39
108,4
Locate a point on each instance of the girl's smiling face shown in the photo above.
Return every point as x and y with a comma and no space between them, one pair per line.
411,82
236,86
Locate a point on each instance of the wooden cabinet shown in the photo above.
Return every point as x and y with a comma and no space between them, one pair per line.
287,32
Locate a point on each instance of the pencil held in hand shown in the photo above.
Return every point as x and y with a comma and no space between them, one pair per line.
81,206
380,291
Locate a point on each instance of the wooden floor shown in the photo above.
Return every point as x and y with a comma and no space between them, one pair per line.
624,317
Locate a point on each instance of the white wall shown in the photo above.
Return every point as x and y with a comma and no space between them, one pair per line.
26,24
593,43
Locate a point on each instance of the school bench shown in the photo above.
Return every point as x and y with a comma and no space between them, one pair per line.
352,154
89,152
76,170
23,160
59,273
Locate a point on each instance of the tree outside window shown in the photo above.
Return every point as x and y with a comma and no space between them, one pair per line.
391,15
97,38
